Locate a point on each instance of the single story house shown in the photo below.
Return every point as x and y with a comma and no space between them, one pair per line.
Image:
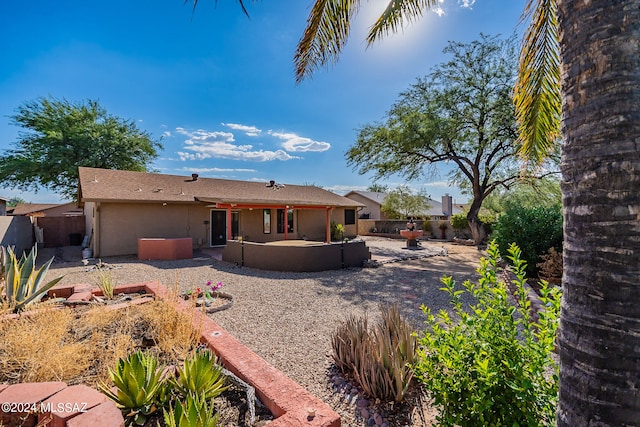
373,203
121,207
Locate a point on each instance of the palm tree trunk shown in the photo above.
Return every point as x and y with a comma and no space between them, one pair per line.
599,335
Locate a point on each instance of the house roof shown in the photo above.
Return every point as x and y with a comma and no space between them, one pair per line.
127,186
371,195
32,208
435,207
29,208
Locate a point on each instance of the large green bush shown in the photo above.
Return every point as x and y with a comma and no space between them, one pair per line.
459,221
534,230
492,365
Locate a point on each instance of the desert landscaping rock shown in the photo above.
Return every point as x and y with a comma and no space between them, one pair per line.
288,318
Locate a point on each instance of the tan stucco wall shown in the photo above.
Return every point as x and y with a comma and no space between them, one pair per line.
320,257
372,208
122,224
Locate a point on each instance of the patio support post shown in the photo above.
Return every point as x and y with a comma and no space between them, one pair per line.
229,224
286,223
328,227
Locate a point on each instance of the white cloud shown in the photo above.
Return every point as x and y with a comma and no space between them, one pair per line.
166,133
438,11
295,143
216,170
248,130
202,144
466,3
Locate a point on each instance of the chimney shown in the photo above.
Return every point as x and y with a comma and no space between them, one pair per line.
194,176
447,205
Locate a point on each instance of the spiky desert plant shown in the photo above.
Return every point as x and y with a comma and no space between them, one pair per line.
193,412
23,282
138,381
105,281
384,366
200,375
349,336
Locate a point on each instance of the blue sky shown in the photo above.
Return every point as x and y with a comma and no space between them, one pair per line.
219,88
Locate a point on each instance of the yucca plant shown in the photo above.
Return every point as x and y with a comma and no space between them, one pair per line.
139,383
384,366
23,283
105,281
193,412
349,336
200,375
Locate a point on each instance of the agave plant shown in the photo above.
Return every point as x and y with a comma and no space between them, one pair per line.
139,383
200,375
194,412
22,284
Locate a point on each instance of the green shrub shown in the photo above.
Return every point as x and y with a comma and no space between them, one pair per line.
459,221
492,366
534,230
379,359
337,231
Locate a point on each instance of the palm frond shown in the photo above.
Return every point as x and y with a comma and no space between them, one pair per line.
325,35
396,14
537,94
241,2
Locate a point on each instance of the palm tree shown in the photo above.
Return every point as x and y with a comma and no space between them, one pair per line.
594,46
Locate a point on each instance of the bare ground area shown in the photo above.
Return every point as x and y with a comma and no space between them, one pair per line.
288,318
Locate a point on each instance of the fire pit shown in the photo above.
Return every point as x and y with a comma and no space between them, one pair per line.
411,234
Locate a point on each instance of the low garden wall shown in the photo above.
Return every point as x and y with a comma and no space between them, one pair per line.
391,228
301,258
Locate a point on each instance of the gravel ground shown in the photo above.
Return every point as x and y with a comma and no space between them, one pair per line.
288,318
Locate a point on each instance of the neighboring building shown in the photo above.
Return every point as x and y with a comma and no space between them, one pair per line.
3,206
46,209
122,206
54,225
373,203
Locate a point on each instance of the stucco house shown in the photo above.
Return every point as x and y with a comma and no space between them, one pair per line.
121,207
373,203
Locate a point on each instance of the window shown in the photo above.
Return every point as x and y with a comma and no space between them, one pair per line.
266,221
280,220
349,216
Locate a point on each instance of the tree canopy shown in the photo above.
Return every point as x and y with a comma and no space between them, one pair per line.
60,136
462,114
404,203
